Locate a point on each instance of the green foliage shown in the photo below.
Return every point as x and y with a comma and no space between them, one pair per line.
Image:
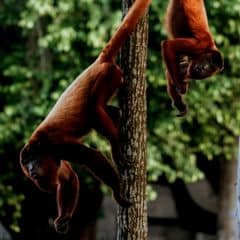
12,202
45,44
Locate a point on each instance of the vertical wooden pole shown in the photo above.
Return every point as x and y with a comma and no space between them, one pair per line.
227,222
132,222
238,192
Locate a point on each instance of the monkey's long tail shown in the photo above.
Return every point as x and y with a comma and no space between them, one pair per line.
127,25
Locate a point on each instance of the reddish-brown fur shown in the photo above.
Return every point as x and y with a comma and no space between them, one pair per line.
80,108
190,37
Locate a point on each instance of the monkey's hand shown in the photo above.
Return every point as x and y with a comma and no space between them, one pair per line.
182,108
61,224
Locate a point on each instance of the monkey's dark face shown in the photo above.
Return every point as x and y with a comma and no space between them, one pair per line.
205,66
201,70
39,167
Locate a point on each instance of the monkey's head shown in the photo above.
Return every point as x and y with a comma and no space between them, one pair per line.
38,164
205,65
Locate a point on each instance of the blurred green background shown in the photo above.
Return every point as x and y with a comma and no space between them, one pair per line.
45,44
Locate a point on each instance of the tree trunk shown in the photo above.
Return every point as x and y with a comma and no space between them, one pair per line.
227,201
238,190
132,222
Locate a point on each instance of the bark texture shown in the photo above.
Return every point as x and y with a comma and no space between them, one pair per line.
132,222
227,201
238,190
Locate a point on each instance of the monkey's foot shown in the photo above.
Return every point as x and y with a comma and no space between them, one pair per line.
122,201
122,163
119,160
61,224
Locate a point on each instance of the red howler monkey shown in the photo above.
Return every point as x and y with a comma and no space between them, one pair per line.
192,41
81,107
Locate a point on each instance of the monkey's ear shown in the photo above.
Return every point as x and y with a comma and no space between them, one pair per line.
217,59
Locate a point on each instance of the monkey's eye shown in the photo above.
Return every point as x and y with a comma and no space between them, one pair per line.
26,161
198,69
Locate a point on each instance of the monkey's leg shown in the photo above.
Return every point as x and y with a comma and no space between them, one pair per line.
104,88
114,113
99,166
105,172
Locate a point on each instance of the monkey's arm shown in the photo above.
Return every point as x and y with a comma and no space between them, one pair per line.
172,50
104,123
176,97
67,194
